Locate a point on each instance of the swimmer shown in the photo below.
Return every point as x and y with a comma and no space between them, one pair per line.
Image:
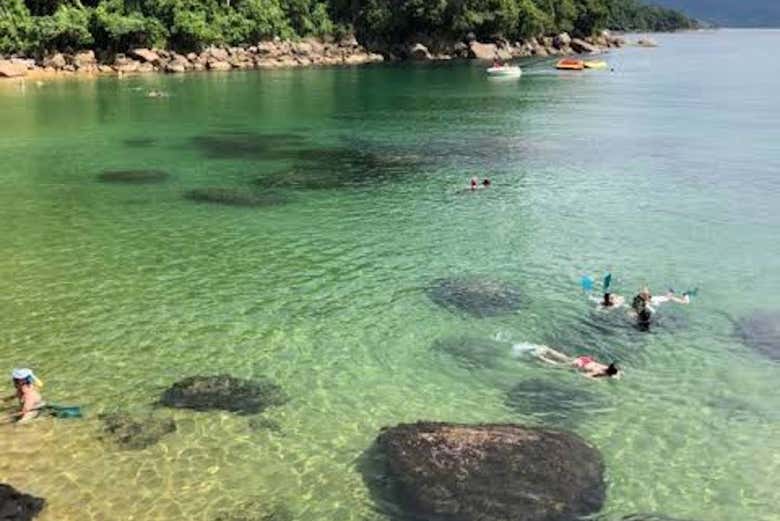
474,183
645,302
486,183
585,365
30,400
610,301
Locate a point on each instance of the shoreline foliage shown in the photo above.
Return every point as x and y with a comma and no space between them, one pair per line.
35,27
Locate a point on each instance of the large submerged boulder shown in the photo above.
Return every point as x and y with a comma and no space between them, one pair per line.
492,472
17,506
650,517
550,401
224,392
473,352
478,296
134,433
133,176
255,510
235,197
761,332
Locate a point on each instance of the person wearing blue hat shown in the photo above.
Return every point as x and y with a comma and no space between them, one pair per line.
28,393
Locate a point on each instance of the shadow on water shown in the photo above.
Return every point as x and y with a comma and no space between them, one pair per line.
132,176
248,145
140,142
241,197
477,296
760,331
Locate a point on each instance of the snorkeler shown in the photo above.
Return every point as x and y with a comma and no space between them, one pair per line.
27,393
644,301
585,365
609,300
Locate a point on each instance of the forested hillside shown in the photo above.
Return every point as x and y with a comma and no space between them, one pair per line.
37,26
730,13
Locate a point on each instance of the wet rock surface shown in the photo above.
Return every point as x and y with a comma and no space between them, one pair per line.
761,332
135,432
18,506
478,296
552,402
473,352
650,517
491,472
133,176
235,197
224,392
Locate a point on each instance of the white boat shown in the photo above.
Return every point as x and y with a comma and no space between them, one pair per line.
505,71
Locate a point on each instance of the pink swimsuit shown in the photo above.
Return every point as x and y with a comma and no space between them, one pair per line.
582,361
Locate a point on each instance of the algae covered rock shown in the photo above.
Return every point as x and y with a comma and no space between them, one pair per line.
18,506
761,332
478,296
492,472
650,517
224,392
135,433
256,510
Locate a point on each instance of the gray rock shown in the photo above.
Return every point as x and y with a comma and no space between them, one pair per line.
17,506
561,40
224,392
218,54
175,67
491,472
8,69
761,332
146,55
57,61
581,46
419,52
478,296
219,66
483,51
133,433
84,59
646,42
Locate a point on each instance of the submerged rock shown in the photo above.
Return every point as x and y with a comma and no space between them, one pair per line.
761,332
134,433
235,197
264,424
481,297
454,472
472,352
140,142
552,402
256,510
133,176
224,392
17,506
251,145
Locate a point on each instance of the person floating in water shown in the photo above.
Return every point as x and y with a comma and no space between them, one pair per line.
585,365
474,184
28,394
609,300
486,183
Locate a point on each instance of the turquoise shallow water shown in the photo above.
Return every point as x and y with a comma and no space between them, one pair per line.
663,171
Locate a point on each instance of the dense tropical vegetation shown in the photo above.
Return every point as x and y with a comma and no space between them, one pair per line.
36,26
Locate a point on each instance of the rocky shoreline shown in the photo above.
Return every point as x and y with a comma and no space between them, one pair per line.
310,52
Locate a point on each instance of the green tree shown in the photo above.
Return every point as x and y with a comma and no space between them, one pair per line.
16,27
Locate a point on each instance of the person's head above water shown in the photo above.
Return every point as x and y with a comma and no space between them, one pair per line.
24,376
611,371
608,300
486,182
473,183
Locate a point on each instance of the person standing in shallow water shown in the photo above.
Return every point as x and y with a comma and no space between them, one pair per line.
28,394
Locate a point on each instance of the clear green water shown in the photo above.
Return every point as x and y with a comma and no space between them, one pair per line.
664,171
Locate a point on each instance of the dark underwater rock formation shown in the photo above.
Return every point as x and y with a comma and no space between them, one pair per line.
133,176
256,511
454,472
550,401
761,332
17,506
235,197
472,352
248,145
133,433
480,297
140,142
224,392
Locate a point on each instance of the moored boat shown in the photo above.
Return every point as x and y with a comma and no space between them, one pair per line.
505,71
570,64
596,64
